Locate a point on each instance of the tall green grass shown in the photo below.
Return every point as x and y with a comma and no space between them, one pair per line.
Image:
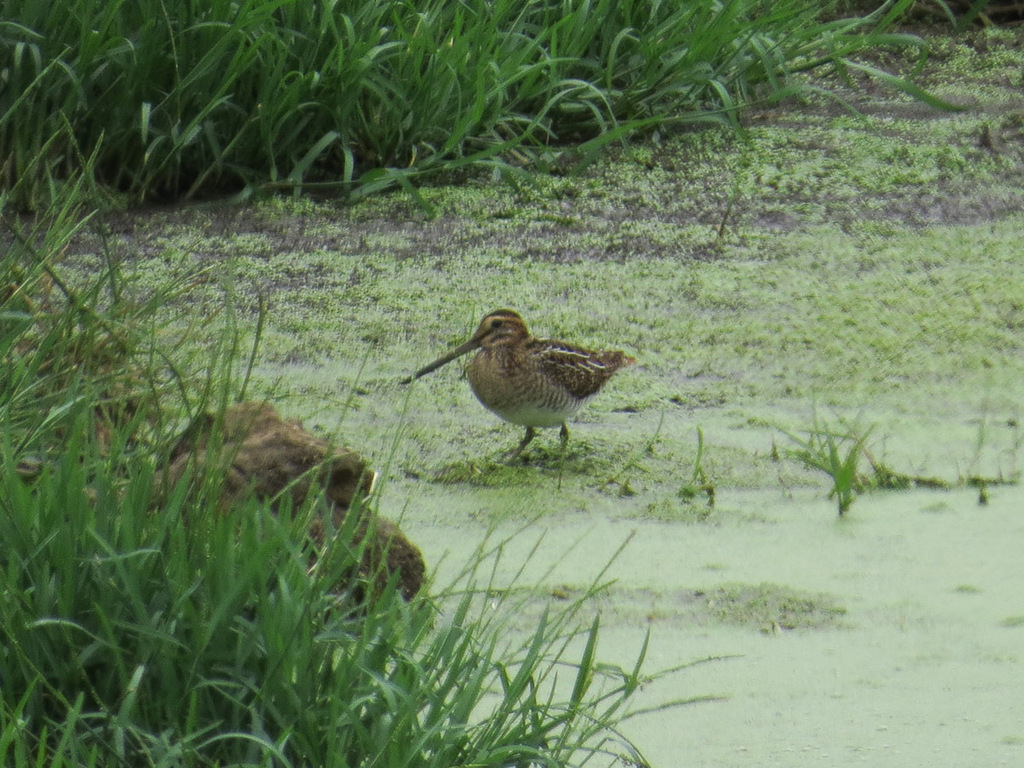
181,98
141,626
132,637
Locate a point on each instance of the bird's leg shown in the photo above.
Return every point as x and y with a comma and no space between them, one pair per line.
522,445
563,436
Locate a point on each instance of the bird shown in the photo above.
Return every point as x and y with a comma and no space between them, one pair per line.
528,381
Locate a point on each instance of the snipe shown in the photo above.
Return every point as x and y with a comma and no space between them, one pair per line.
528,381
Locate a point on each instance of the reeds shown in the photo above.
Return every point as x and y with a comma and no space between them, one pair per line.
133,637
182,98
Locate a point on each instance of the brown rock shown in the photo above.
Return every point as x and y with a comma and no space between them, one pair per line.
271,458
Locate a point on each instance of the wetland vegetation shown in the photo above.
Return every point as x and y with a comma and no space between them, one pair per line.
794,269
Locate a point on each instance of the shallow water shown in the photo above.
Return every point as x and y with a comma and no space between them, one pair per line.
926,667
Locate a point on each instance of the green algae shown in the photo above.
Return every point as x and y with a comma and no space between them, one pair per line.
771,607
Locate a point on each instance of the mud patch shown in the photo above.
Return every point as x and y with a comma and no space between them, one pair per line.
767,607
252,451
771,607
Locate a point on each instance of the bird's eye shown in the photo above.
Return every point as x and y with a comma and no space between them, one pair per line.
495,323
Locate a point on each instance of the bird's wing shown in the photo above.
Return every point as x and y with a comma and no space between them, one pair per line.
580,371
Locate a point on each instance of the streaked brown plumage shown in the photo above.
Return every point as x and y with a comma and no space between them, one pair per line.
528,381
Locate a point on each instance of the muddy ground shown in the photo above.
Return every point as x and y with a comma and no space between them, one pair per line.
827,269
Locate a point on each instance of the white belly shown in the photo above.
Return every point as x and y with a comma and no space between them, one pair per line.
531,415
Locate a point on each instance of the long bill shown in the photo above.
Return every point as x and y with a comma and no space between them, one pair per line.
459,351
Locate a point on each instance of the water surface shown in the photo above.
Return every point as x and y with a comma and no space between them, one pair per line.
925,667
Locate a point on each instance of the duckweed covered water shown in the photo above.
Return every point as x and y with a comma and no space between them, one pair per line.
906,648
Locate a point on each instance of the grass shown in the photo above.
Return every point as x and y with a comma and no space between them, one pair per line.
698,483
141,626
135,637
837,454
178,101
839,451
